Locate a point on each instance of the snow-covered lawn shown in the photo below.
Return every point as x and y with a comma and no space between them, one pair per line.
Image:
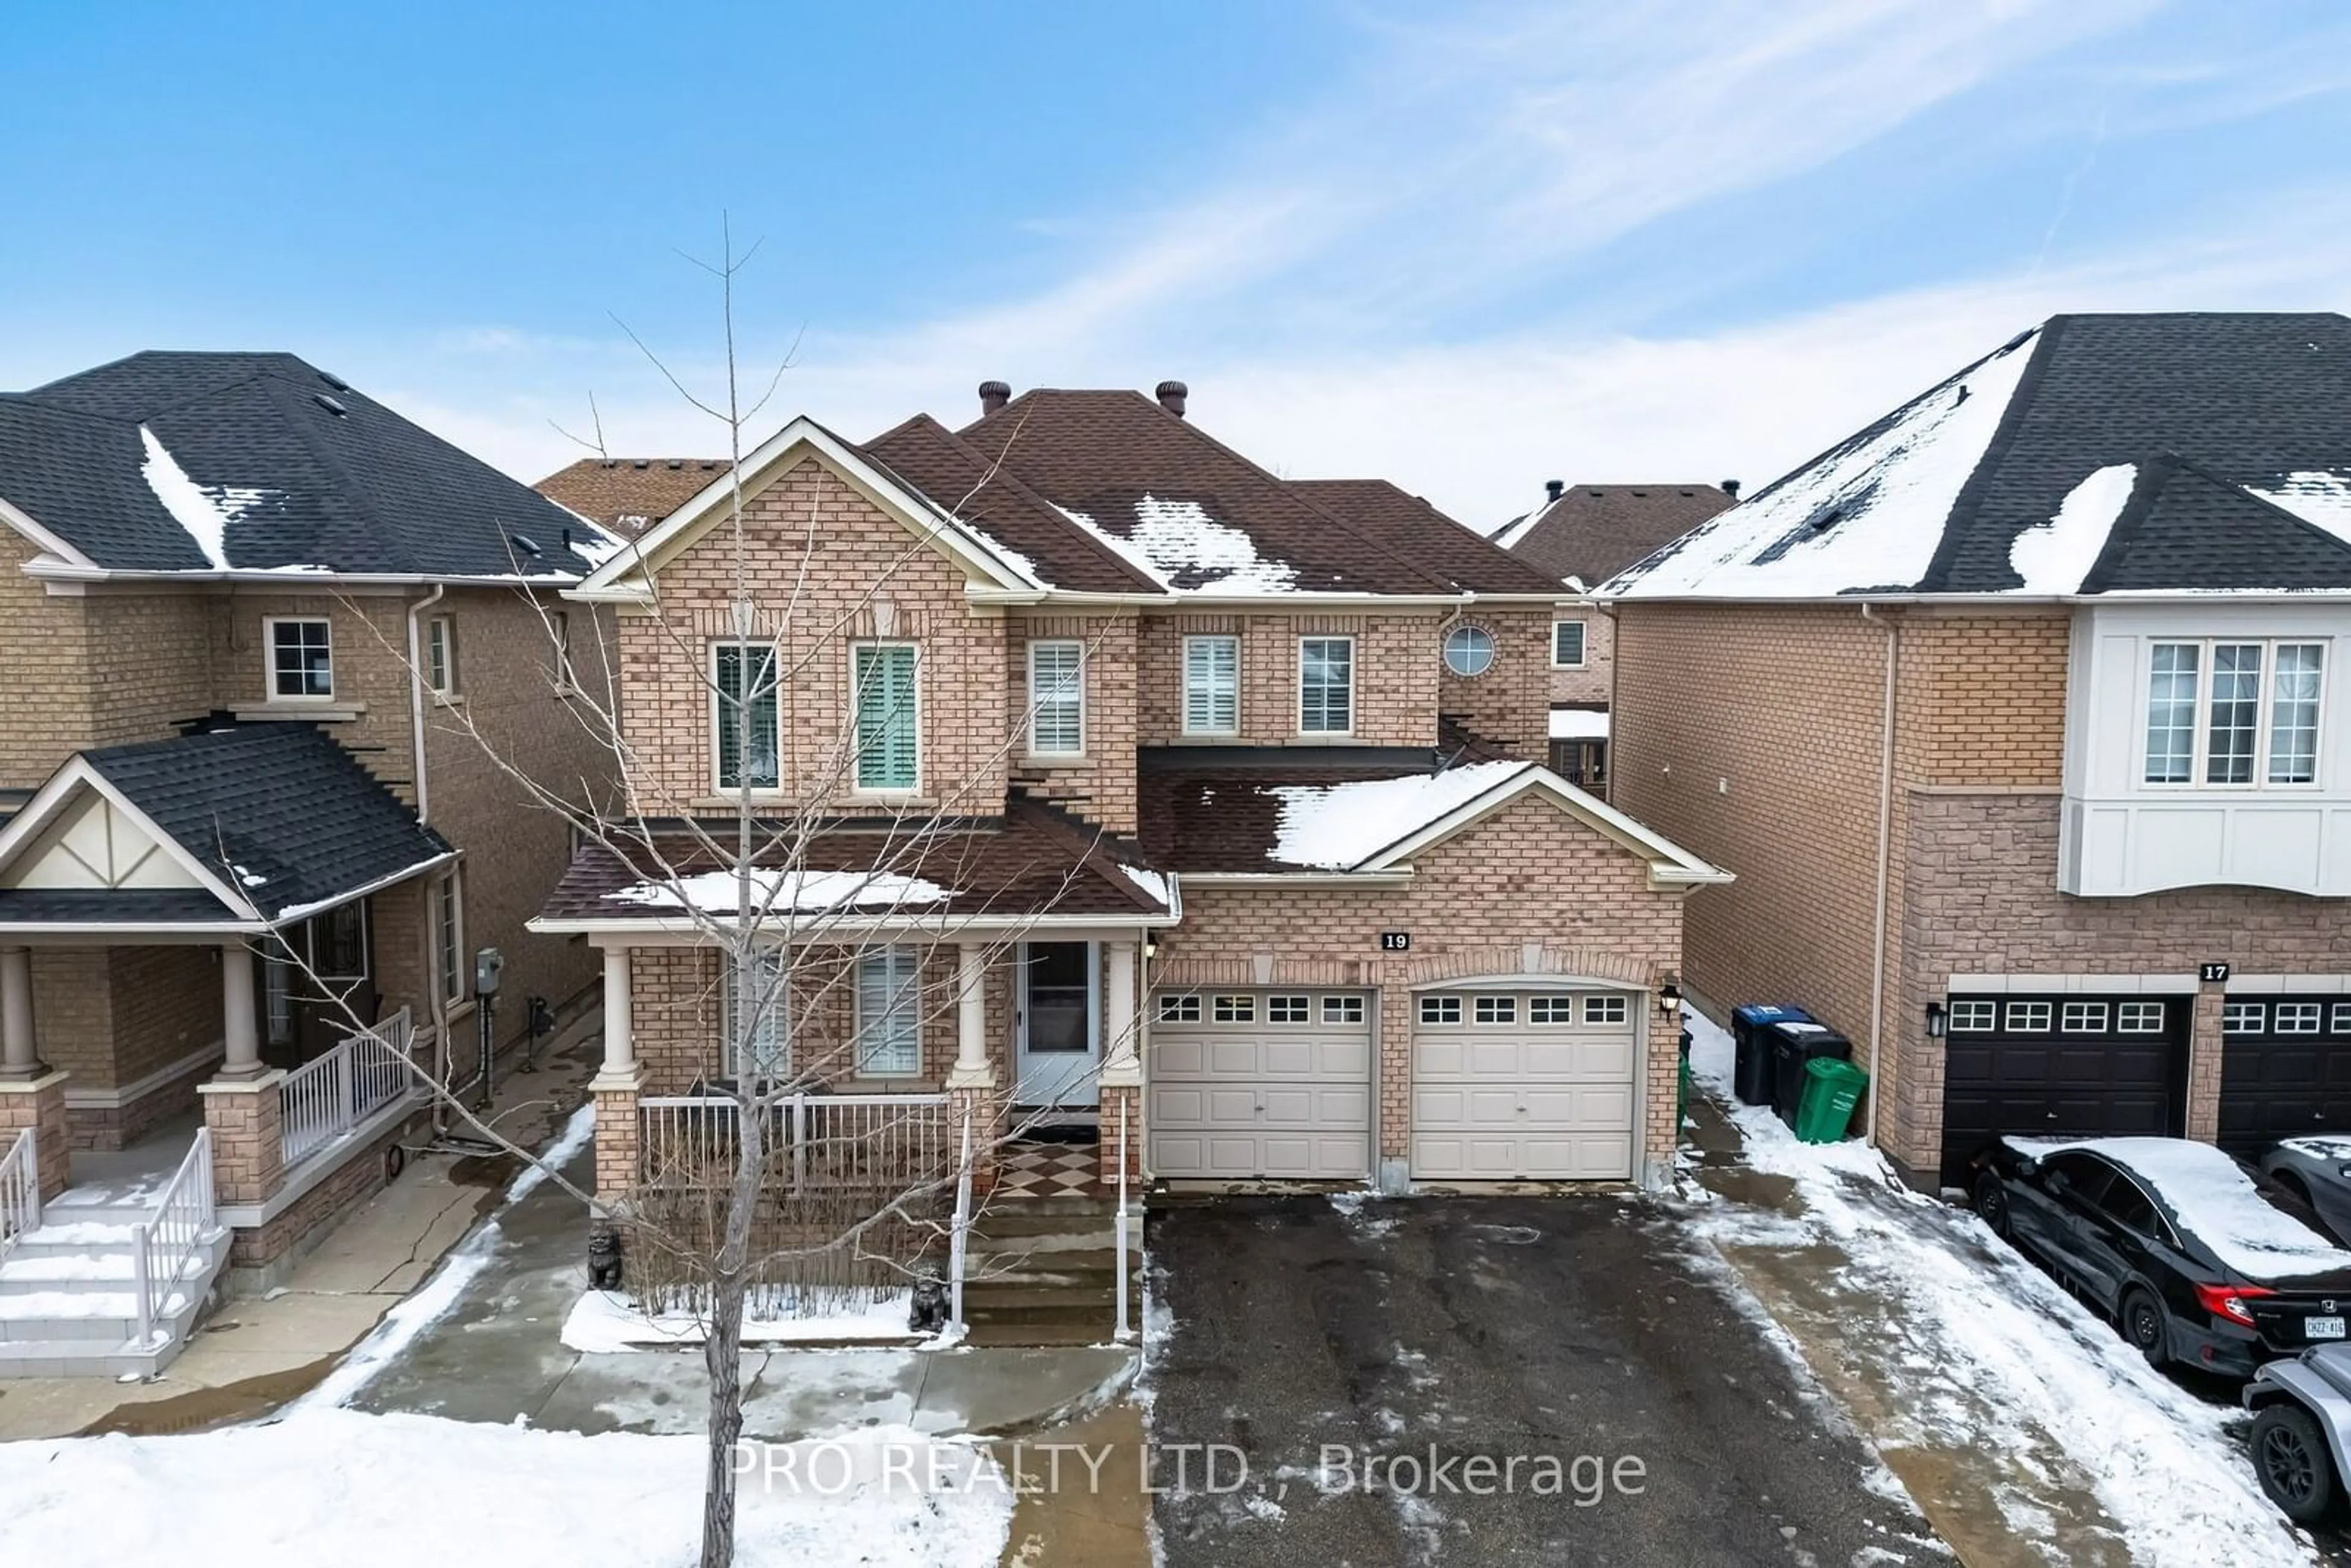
1985,1351
357,1490
606,1321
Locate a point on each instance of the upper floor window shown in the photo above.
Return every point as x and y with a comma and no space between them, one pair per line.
301,660
2233,713
1212,685
1056,699
441,655
743,715
1567,644
889,1012
1468,651
1326,686
559,632
888,749
449,937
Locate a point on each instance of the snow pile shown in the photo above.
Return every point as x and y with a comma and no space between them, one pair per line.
2318,496
2213,1200
396,1490
1989,1355
1335,827
2055,555
1579,724
205,510
1867,516
789,892
604,1323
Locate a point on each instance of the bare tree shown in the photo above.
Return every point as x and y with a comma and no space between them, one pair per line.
721,1211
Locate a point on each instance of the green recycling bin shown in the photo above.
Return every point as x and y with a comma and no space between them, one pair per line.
1832,1089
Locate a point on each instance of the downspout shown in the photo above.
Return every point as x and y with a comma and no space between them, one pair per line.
436,994
1885,861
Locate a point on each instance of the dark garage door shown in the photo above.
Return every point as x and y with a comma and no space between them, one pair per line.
2286,1068
2060,1066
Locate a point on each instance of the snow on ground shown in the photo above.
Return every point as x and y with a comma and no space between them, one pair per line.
1337,826
2002,1358
603,1322
2215,1202
397,1490
2055,555
787,892
1867,515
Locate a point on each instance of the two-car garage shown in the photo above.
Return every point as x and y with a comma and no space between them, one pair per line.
1506,1084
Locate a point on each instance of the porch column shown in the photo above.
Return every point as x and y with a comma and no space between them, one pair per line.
18,1060
619,1135
1121,1063
240,1023
619,1021
972,1069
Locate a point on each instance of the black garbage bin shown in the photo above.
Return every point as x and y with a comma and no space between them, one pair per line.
1750,1077
1795,1044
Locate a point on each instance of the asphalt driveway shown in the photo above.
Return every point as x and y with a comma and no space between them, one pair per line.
1367,1367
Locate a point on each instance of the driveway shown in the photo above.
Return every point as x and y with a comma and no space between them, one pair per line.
1322,1342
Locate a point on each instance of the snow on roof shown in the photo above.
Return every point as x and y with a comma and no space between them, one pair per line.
205,510
1578,724
1867,516
2318,496
1151,882
1173,540
1336,826
2214,1200
2055,555
789,892
1517,528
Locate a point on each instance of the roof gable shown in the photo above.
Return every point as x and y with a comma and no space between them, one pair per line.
627,576
1590,532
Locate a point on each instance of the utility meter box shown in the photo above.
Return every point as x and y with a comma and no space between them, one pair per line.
488,962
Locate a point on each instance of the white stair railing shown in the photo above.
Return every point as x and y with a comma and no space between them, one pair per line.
321,1101
1121,1333
20,1189
958,1240
162,1246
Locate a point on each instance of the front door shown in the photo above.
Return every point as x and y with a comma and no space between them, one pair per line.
1059,1056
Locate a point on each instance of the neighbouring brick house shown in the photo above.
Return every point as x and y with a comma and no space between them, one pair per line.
244,610
1156,793
2011,713
1582,535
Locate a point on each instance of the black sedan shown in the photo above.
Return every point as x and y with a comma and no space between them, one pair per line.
2172,1239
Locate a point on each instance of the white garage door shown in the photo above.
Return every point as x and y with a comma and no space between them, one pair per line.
1274,1083
1527,1085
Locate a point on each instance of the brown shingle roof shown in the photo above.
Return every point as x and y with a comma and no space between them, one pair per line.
630,495
1103,453
1594,531
1408,525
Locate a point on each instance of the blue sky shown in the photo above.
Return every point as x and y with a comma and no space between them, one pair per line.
1469,246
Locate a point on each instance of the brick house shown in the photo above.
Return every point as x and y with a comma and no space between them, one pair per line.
2020,698
1582,535
244,610
1157,794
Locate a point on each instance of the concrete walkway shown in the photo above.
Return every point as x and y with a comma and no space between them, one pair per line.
254,1353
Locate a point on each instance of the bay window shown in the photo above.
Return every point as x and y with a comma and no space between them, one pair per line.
2232,712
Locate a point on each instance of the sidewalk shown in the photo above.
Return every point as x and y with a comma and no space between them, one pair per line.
254,1353
2024,1428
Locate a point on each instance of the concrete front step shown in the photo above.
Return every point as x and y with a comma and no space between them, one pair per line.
1046,1215
1091,1271
86,1326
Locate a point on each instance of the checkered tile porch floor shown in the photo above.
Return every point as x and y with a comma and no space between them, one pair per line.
1049,1170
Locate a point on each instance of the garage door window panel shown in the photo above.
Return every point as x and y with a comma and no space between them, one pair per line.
2297,1018
1600,1011
2139,1018
1493,1010
1235,1009
1440,1010
1342,1009
2243,1017
1287,1009
2030,1017
1184,1008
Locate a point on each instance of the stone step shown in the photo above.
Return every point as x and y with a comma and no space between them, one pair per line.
1035,1246
990,1335
1042,1216
85,1272
82,1358
1091,1271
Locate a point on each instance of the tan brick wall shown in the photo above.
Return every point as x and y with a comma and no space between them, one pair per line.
150,664
1528,877
1396,668
369,638
1100,786
863,577
1595,682
247,1136
1510,703
73,1013
44,648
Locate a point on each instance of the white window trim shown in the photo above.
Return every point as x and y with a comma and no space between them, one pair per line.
270,694
751,650
1584,642
856,784
450,957
1036,704
2200,751
1445,650
858,1053
1348,638
559,628
1185,718
442,628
